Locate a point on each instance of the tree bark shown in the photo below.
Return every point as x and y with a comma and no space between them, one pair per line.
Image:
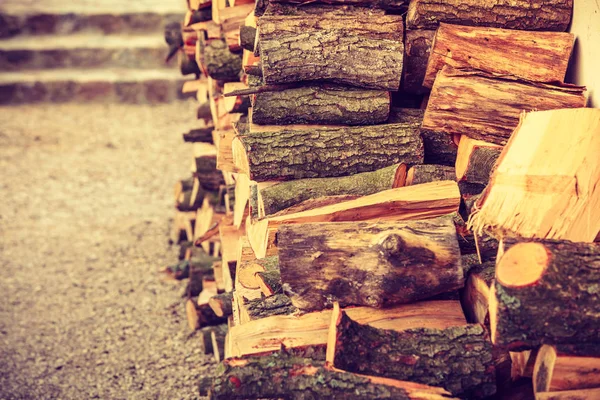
555,301
202,315
207,173
416,54
217,338
247,37
246,273
276,198
269,282
203,111
321,152
220,63
488,108
459,359
475,160
474,297
203,135
278,304
221,304
323,263
383,4
544,15
486,244
324,104
284,376
188,66
340,44
424,173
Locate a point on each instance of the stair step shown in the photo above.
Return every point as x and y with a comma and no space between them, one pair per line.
83,51
91,85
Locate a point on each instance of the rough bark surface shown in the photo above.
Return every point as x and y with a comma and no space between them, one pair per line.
416,54
247,37
281,375
188,66
287,194
383,4
221,304
331,151
341,44
458,359
544,15
270,282
485,107
371,264
199,135
481,163
207,173
488,245
424,173
475,294
220,63
560,308
278,304
325,104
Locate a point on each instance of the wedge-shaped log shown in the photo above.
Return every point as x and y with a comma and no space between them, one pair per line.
475,160
417,49
485,107
309,331
546,293
578,394
475,294
346,45
198,135
292,195
458,359
559,368
544,15
429,200
545,181
321,104
372,264
286,376
543,56
425,173
304,151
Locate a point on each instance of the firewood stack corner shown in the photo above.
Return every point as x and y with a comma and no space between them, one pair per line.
390,200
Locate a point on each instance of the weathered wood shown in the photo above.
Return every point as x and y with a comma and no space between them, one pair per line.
418,355
543,56
207,173
246,273
220,63
281,375
546,293
580,394
424,173
269,282
221,304
417,48
247,37
544,15
304,151
475,160
281,196
474,296
486,107
485,246
321,104
372,264
278,304
543,185
199,135
383,4
343,44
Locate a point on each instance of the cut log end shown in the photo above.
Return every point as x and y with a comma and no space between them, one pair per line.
543,369
522,265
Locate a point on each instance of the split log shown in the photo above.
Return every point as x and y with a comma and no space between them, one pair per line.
559,368
580,394
323,104
285,376
199,316
428,200
425,173
536,185
373,264
246,273
207,173
304,151
485,246
343,44
546,293
221,64
383,4
269,282
217,338
247,37
474,296
475,160
543,56
308,332
418,355
278,304
542,15
487,107
221,304
203,111
281,196
199,135
416,54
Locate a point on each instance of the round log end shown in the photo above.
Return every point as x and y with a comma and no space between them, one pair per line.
522,264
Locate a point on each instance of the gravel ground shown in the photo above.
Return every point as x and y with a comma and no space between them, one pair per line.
85,205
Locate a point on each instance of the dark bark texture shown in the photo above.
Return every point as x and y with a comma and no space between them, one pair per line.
341,44
207,173
188,66
221,304
459,359
383,4
271,280
247,37
325,104
331,151
424,173
278,304
220,63
481,164
416,54
198,135
203,111
366,263
543,15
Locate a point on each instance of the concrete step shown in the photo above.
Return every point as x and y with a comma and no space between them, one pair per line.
91,85
83,51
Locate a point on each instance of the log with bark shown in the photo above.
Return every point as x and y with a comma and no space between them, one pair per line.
475,294
281,196
220,63
247,37
542,15
203,112
187,65
543,56
199,135
269,282
370,263
579,394
321,104
475,160
485,246
217,338
278,304
182,186
281,375
425,173
201,315
544,183
221,304
546,292
308,332
416,54
246,272
424,201
304,151
389,5
207,173
458,359
341,44
487,107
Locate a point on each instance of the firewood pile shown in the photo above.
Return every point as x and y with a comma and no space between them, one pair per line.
390,200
